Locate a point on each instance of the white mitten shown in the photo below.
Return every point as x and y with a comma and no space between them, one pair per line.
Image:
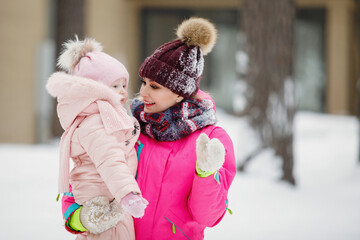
210,154
134,204
98,215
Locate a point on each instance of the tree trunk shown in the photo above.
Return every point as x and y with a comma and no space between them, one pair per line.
70,16
268,29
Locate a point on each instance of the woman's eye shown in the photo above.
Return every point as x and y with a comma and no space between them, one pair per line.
142,82
124,86
115,86
153,86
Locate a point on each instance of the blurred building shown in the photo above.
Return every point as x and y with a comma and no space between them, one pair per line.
326,53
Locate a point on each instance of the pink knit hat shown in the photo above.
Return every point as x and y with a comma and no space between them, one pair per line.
178,65
86,59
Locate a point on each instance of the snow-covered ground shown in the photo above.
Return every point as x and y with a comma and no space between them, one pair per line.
325,204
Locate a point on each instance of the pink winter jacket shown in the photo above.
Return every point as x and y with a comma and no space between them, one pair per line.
102,146
181,204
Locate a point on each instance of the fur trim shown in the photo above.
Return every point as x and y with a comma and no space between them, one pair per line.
75,93
73,87
74,50
198,32
210,153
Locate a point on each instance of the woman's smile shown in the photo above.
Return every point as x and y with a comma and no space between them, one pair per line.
148,104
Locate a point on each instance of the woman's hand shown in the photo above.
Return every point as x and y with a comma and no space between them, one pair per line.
210,155
134,204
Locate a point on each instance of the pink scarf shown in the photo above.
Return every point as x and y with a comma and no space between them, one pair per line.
114,119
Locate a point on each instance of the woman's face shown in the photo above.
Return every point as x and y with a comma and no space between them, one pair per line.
119,86
156,97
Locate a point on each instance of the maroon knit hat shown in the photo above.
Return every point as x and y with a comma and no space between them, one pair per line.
178,65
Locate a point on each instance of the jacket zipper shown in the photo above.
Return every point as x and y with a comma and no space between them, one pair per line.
174,226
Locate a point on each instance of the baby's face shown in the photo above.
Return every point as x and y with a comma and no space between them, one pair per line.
119,86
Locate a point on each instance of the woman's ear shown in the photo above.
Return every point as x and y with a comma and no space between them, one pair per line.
179,99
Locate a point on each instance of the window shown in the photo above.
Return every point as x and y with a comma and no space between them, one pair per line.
310,77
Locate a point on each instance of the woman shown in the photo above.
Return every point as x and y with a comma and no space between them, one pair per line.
186,163
183,174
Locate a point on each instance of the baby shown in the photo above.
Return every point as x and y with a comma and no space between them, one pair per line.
99,137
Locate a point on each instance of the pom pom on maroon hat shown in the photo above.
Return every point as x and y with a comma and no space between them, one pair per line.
178,65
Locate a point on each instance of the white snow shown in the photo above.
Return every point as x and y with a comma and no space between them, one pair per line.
325,204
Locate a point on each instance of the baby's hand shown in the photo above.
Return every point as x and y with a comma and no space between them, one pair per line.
98,215
134,204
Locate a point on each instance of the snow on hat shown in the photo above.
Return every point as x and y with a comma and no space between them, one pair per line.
178,65
86,59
